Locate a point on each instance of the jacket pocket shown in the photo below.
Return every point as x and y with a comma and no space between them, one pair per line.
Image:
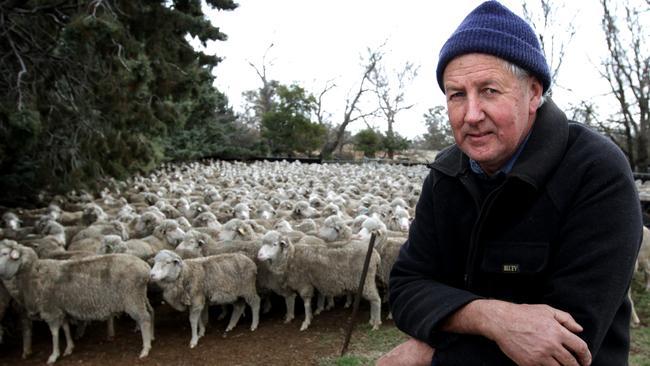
513,271
512,258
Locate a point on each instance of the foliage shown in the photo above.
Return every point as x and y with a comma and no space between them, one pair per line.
287,128
368,141
394,142
95,88
627,70
438,135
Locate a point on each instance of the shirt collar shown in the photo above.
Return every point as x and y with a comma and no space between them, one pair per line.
506,168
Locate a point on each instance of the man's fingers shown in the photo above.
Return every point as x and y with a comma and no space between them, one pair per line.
567,321
578,350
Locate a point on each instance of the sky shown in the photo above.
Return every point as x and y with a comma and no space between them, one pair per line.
316,42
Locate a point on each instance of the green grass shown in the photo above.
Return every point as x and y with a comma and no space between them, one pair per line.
640,348
367,345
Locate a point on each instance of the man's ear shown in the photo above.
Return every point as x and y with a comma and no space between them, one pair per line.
536,91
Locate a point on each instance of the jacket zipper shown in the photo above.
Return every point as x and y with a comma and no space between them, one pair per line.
483,211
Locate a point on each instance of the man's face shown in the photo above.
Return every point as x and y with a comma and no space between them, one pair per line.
490,109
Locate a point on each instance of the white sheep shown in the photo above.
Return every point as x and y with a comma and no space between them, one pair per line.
331,271
193,284
92,288
115,244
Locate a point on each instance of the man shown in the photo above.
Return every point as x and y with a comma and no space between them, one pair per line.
526,231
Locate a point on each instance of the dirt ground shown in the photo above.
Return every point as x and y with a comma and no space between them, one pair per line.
273,343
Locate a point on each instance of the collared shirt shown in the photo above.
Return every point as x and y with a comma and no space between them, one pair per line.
505,169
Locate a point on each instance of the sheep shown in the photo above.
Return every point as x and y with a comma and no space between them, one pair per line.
331,271
167,235
53,241
197,244
145,224
334,229
97,230
92,213
236,229
643,258
302,210
193,284
399,220
115,244
388,248
5,300
92,288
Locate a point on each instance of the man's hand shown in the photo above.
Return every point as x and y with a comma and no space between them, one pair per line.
527,334
409,353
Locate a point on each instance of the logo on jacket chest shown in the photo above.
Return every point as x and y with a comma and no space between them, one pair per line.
510,268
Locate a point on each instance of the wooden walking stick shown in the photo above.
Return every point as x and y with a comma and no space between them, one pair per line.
357,299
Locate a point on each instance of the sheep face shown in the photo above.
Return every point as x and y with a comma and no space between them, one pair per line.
283,226
11,221
273,246
331,229
111,244
242,211
170,232
399,223
10,259
92,213
167,267
192,244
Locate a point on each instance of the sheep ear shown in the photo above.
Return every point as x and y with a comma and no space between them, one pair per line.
177,262
283,244
201,242
15,254
241,231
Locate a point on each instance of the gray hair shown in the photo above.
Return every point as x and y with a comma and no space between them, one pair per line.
522,73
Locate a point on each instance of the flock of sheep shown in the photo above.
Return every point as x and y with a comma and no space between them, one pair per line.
201,234
215,233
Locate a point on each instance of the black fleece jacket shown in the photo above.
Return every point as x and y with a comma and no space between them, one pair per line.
563,229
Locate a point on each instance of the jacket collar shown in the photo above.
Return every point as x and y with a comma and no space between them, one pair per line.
544,149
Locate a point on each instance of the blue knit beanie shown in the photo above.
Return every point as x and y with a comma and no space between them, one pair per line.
493,29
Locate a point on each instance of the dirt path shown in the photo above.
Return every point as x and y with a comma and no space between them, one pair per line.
273,343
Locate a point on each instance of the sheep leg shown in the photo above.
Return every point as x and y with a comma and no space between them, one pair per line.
205,317
81,329
634,320
371,294
348,300
253,301
320,303
237,311
55,325
143,316
110,328
68,339
330,303
195,315
266,307
290,302
224,311
306,299
26,325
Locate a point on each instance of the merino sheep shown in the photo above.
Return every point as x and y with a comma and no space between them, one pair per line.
236,229
193,284
92,288
115,244
331,271
335,229
167,235
643,259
